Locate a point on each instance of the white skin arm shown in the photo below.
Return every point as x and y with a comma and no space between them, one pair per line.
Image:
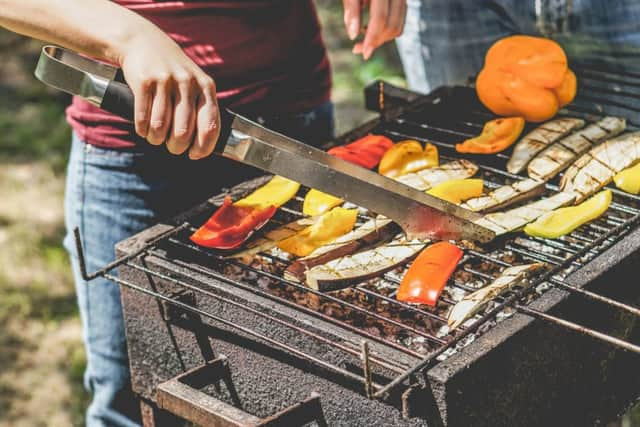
175,101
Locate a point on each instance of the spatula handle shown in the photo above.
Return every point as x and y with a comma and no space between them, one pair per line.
118,99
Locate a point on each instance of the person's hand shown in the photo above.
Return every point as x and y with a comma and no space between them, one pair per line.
175,101
386,22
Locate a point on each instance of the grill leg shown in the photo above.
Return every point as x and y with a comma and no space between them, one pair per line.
152,416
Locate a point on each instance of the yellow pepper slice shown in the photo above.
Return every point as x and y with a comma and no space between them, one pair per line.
316,202
457,190
276,192
564,220
629,179
406,157
329,227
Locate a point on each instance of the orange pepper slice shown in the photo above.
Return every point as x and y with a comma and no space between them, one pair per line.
426,278
497,135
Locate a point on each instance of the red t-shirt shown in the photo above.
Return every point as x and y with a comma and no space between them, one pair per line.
265,56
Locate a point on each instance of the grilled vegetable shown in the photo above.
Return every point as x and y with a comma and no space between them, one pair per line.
316,202
366,151
276,192
514,219
231,225
558,156
539,138
565,220
526,76
629,179
329,227
476,301
374,231
598,166
428,178
271,238
457,190
406,157
505,196
497,135
345,271
426,278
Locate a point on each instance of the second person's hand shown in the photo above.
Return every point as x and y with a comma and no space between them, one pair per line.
175,101
386,22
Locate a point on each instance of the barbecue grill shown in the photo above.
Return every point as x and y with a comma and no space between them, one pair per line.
224,341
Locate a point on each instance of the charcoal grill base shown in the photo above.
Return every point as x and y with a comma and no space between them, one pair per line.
521,372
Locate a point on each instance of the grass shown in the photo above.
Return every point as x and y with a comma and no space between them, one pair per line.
40,335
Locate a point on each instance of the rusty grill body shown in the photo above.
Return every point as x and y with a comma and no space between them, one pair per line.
274,342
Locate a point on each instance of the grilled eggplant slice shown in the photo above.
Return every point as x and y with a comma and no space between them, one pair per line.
371,232
514,219
427,178
345,271
476,301
598,166
271,238
560,155
538,139
505,196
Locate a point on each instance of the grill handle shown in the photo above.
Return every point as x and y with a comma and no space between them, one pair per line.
182,397
380,96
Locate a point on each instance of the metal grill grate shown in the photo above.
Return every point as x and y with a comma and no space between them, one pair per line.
370,309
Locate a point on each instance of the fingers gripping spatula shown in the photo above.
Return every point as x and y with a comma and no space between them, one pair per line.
420,215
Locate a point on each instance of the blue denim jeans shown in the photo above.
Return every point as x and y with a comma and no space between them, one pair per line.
444,41
112,194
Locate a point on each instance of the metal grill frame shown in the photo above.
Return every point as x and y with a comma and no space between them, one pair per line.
402,372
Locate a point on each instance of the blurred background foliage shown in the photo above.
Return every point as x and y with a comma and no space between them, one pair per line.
41,354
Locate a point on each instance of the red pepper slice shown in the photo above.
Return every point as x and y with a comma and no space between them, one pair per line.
429,273
231,225
366,151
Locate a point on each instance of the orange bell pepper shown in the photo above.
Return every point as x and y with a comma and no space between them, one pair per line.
526,76
426,278
497,135
407,157
233,223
